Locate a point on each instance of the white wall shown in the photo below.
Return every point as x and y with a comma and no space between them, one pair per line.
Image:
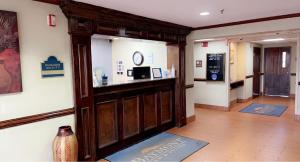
32,142
242,67
123,49
189,78
37,41
234,58
298,77
102,56
252,28
248,85
211,93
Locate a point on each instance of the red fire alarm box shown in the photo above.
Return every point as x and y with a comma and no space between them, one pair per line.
204,44
51,20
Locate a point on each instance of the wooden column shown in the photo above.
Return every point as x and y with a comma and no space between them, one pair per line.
182,113
82,73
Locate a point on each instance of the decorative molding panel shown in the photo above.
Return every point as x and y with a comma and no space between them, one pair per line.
35,118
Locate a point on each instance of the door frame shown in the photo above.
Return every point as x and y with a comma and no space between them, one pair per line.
260,63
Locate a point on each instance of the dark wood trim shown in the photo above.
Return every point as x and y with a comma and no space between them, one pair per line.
189,86
249,76
293,74
244,100
35,118
262,73
236,84
292,96
249,21
232,103
191,119
200,79
180,87
214,107
55,2
88,19
298,83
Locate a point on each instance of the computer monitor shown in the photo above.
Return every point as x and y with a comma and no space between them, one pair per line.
141,72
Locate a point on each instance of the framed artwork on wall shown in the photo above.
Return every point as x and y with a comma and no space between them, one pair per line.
198,63
156,72
10,66
129,72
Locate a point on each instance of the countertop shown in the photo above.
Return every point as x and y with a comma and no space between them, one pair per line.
117,83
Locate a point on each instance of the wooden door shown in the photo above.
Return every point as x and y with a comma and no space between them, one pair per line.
277,71
256,71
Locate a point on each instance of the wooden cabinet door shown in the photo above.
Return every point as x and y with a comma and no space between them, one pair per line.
107,123
150,111
131,117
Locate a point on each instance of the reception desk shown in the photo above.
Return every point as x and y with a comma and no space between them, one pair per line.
127,112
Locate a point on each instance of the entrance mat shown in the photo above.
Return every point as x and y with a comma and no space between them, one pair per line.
265,109
160,148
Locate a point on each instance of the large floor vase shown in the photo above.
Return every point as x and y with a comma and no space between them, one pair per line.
65,147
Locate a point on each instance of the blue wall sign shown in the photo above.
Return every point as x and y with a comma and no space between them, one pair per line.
52,68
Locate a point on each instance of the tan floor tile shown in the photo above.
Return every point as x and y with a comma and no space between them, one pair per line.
235,136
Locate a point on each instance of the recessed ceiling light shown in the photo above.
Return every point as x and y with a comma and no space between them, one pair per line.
273,40
115,38
204,40
204,13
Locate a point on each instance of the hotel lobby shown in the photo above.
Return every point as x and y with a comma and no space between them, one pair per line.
145,81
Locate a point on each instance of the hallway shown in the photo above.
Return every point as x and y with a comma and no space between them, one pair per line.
235,136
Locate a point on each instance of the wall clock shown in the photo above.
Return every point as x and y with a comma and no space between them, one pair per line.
138,58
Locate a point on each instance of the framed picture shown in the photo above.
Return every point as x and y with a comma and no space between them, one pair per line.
130,73
10,64
198,63
156,72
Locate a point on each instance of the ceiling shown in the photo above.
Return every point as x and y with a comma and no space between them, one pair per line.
288,36
187,12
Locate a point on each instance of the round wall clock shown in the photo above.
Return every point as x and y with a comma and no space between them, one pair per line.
138,58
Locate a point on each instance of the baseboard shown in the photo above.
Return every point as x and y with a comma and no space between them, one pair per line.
214,107
297,118
244,100
233,102
292,95
190,119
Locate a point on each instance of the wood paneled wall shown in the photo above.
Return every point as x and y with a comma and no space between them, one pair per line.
126,114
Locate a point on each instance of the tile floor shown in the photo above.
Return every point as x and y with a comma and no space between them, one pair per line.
235,136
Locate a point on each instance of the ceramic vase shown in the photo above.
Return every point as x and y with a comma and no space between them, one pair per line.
65,146
5,78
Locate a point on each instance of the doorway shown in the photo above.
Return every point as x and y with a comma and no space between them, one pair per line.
256,71
277,71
